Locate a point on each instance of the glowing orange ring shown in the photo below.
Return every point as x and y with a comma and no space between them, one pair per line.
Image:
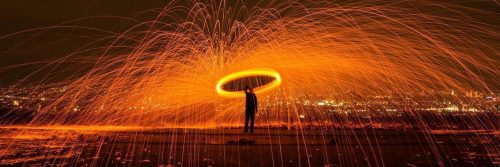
247,73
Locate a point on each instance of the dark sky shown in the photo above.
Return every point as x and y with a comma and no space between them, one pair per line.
22,15
25,14
28,47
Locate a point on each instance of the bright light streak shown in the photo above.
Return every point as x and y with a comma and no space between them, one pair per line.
248,73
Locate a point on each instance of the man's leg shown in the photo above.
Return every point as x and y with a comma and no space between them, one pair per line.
252,117
246,121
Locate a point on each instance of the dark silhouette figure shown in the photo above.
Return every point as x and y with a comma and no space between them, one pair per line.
250,108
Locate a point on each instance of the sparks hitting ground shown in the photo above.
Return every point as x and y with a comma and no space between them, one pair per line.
333,65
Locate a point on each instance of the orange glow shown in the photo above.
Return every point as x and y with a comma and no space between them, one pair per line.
323,51
339,73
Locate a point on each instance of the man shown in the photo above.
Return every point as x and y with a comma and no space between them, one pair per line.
250,108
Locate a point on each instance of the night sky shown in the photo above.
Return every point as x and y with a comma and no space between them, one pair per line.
38,49
26,14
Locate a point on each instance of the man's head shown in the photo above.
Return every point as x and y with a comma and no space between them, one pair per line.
248,89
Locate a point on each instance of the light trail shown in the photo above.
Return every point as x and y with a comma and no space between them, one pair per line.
248,73
356,66
162,72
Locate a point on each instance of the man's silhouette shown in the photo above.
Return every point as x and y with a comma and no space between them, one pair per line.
250,108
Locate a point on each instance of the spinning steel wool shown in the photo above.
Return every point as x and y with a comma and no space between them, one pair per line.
328,65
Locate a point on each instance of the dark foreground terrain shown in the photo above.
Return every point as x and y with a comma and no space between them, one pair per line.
111,146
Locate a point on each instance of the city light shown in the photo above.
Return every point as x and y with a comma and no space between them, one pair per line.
337,83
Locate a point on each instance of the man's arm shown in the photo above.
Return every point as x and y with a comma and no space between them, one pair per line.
255,102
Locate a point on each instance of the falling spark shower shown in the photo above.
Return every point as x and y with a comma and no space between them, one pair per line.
169,71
